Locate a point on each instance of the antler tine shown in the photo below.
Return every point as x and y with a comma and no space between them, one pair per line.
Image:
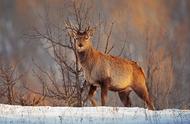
69,25
87,29
74,27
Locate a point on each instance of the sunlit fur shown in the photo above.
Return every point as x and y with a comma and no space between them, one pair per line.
110,73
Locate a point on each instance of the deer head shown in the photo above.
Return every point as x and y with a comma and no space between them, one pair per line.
82,37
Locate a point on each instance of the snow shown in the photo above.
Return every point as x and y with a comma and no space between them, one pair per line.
90,115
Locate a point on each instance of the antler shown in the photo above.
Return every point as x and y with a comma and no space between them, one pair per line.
69,25
87,29
75,30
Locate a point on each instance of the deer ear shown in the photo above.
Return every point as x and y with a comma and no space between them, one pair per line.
91,31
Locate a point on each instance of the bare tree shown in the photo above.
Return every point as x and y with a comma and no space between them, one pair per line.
159,69
8,79
70,86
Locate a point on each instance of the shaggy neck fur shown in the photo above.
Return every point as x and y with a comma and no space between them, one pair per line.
87,57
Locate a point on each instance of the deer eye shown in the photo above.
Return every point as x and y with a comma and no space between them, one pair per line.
77,38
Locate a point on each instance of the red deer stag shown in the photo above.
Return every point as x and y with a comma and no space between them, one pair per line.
108,72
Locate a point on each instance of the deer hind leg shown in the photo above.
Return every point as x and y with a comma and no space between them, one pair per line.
142,92
91,94
124,97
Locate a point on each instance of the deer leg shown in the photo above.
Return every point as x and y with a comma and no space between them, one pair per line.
104,95
142,92
91,94
104,91
125,99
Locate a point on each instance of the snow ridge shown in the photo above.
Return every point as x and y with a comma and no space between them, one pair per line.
10,114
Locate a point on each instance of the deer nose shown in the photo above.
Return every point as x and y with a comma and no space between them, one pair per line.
80,45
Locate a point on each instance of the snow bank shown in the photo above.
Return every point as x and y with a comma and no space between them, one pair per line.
90,115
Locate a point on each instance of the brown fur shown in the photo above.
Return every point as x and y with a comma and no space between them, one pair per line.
111,73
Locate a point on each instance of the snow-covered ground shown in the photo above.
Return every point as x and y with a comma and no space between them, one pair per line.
90,115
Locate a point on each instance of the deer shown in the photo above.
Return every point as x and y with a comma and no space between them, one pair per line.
110,73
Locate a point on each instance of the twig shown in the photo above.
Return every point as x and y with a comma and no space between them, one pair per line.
108,39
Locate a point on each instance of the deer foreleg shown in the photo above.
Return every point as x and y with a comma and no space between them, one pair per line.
104,91
91,94
104,95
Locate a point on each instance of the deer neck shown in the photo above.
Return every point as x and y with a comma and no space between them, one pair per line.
86,57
